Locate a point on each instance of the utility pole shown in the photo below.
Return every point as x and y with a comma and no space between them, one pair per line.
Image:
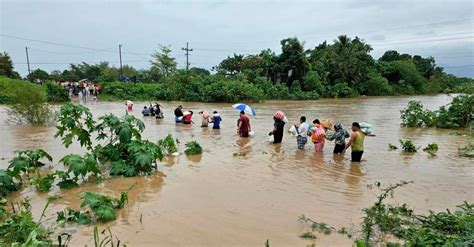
187,55
28,61
120,55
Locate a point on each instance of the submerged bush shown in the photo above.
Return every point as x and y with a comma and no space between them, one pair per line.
383,222
408,146
467,151
193,148
7,183
459,113
104,206
18,228
168,145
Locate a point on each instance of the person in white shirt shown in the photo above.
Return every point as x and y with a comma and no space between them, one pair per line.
302,129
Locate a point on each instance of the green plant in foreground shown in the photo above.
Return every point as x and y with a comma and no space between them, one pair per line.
7,183
79,167
392,147
27,160
104,206
69,215
193,148
408,146
43,183
18,228
75,121
384,222
107,241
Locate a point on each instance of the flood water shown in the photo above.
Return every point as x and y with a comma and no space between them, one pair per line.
218,199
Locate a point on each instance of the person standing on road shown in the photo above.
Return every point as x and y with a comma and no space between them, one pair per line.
356,142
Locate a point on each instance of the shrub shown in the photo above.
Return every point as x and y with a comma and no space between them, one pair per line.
43,183
459,113
193,148
7,183
27,160
168,145
104,206
56,93
18,228
408,146
467,151
383,222
27,104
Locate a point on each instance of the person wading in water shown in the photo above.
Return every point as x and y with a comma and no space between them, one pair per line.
356,142
243,125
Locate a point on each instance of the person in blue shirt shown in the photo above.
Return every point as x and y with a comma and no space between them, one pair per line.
146,111
216,119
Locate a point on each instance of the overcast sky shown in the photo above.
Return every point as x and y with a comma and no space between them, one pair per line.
216,29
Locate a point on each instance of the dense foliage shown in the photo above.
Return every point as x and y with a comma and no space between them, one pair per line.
56,93
343,68
382,221
18,227
459,113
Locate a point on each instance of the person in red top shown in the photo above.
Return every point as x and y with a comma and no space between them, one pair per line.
188,119
243,125
99,88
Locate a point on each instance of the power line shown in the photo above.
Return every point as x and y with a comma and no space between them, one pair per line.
96,62
49,42
71,53
423,41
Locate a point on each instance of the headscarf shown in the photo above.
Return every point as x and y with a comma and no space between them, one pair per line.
337,126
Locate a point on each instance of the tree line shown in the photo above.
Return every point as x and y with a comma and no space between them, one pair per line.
343,68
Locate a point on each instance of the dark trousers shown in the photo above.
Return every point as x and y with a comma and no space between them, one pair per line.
338,149
356,156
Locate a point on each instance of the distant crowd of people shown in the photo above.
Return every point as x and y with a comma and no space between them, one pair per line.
83,88
318,132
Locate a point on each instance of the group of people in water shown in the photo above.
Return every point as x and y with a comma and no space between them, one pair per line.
153,110
186,117
318,132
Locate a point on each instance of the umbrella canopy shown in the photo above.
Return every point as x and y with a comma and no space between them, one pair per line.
243,107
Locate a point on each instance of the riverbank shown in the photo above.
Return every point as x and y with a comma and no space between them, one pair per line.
221,90
219,199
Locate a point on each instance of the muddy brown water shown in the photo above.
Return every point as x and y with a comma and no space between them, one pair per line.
218,199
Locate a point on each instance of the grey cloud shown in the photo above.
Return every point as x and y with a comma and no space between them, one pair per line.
233,26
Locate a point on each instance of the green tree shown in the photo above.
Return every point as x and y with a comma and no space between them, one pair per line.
38,74
162,63
231,65
55,75
6,66
199,71
292,60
